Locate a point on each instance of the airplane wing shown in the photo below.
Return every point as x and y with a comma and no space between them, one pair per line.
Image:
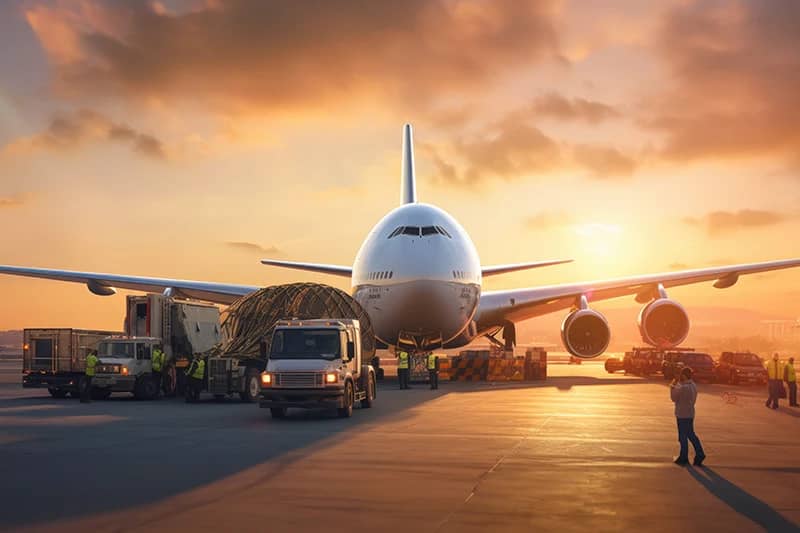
505,269
334,270
496,307
104,284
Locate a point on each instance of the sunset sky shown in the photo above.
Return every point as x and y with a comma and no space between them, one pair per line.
190,139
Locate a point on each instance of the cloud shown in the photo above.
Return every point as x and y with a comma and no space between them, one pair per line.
68,131
513,148
719,223
735,75
9,202
603,161
253,247
279,55
554,105
547,220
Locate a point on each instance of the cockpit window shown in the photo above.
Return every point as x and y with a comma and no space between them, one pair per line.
417,231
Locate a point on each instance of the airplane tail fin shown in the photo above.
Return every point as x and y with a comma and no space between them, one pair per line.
408,187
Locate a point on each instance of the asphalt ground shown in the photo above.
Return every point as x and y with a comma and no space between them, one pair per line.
583,451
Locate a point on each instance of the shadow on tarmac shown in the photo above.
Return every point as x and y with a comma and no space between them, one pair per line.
740,500
74,460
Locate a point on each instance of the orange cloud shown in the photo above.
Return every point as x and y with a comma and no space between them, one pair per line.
68,131
556,106
291,54
604,162
8,202
722,222
736,74
253,247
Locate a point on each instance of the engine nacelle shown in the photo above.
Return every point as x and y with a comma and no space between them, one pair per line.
585,333
663,323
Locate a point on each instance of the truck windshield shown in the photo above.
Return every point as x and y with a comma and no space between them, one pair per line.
746,359
116,349
306,344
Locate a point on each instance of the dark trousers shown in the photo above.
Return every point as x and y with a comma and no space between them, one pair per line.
193,386
793,393
157,381
774,393
686,434
402,377
434,378
86,390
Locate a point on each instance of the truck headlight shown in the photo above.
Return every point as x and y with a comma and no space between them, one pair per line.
124,371
331,377
266,379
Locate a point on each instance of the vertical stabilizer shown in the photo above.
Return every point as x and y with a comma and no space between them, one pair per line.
408,187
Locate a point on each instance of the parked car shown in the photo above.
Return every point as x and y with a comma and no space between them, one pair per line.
741,367
614,364
702,365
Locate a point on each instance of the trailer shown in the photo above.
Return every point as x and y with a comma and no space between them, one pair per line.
55,358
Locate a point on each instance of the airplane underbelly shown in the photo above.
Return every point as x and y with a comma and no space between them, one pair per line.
428,313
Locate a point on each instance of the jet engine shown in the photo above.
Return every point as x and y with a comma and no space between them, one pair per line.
585,333
663,323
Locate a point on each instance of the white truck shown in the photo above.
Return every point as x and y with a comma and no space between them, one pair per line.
316,364
180,328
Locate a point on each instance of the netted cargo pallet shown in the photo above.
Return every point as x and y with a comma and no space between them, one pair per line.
252,318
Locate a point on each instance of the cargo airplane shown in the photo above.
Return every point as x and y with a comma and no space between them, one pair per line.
419,279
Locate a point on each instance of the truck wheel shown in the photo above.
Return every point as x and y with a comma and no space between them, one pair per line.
347,410
277,412
145,388
57,393
366,403
252,386
169,381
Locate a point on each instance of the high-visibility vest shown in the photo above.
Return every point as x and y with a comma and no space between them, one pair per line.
191,368
403,360
774,369
791,377
200,370
158,360
91,363
431,361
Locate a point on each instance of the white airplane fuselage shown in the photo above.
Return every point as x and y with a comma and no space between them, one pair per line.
418,276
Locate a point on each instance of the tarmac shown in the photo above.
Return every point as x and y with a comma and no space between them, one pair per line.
582,451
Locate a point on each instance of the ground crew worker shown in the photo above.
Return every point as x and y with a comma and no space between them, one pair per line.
195,374
91,365
790,377
157,362
775,384
402,369
433,370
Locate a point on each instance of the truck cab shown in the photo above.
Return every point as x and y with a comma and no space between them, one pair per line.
126,366
316,364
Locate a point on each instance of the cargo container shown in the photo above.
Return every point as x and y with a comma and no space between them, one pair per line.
55,358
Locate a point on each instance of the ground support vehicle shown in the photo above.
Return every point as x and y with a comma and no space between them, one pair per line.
702,364
55,358
614,364
317,364
179,327
643,361
228,375
741,367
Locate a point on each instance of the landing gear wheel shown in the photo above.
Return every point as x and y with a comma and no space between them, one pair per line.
57,393
349,399
277,412
145,388
252,386
366,403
